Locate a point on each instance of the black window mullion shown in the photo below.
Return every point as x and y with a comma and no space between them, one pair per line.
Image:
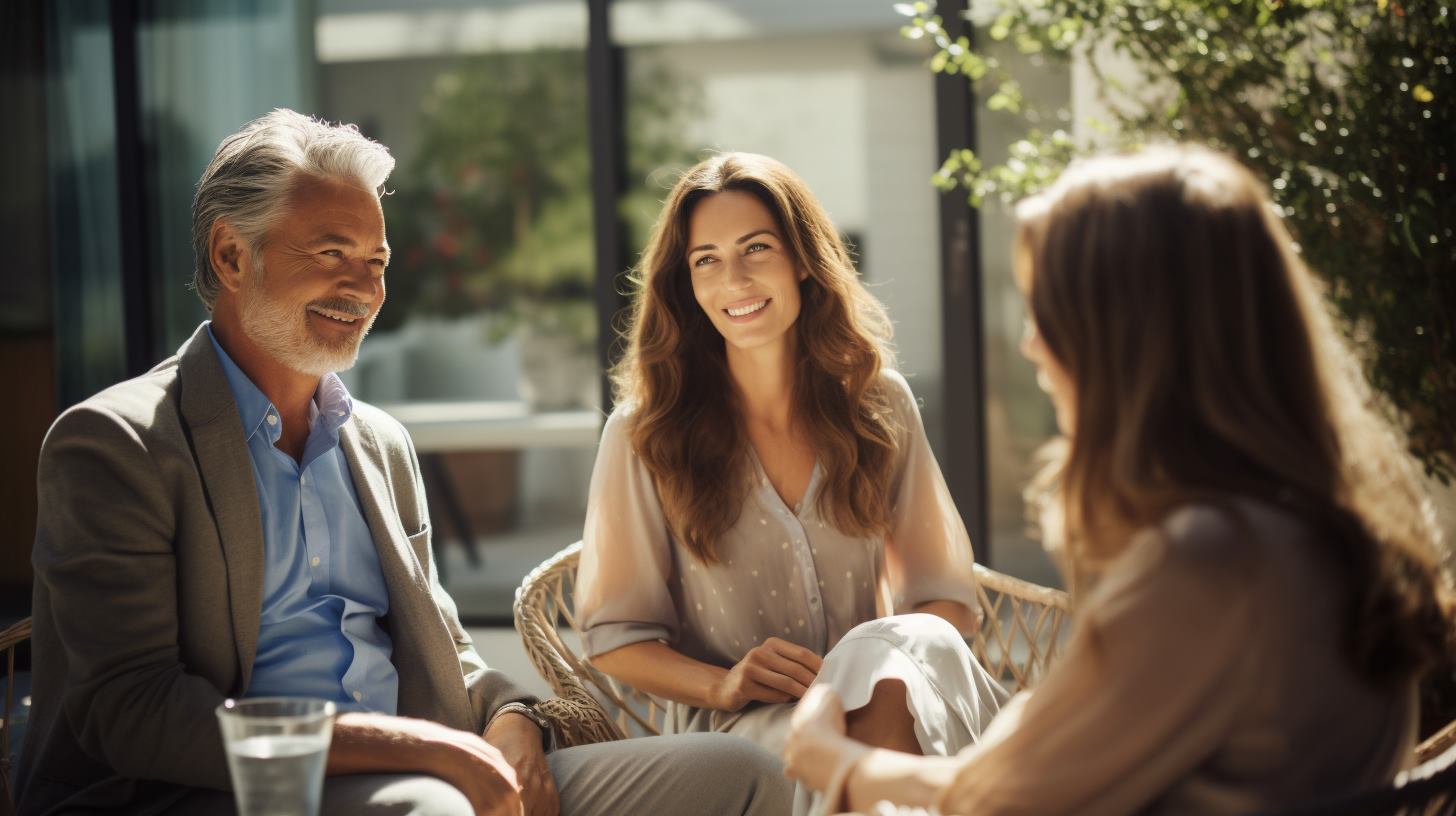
963,340
608,160
139,296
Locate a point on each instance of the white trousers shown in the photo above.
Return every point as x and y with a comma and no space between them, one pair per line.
950,696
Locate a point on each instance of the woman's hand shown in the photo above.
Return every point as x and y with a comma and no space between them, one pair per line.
817,752
775,671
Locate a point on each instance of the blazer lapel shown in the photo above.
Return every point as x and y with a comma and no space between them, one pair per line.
211,415
424,653
367,466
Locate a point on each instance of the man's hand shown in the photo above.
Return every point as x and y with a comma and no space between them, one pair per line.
377,743
519,741
774,671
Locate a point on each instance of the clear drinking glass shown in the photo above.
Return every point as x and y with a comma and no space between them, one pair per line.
276,750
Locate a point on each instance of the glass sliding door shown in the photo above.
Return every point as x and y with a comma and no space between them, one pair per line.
486,347
1019,417
84,200
205,68
828,87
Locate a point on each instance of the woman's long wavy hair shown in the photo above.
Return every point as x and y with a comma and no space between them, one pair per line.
686,422
1205,364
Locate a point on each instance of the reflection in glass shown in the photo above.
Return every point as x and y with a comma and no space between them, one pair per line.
485,347
81,154
206,68
831,89
1019,417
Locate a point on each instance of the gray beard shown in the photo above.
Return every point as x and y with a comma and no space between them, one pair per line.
280,328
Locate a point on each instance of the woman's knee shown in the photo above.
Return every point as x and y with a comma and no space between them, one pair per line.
888,691
887,720
915,631
888,701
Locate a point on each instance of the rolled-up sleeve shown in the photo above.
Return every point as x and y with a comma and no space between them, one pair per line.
622,594
930,551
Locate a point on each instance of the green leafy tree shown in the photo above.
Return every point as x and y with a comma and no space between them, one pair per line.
1345,107
498,216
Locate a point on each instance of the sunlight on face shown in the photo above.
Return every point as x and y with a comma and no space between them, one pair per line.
318,286
743,274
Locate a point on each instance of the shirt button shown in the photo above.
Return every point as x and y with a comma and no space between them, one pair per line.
358,695
272,420
302,480
812,601
314,561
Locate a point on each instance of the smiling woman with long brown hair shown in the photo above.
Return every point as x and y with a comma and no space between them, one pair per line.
765,485
1255,566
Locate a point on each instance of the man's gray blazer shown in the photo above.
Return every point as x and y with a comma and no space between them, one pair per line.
149,582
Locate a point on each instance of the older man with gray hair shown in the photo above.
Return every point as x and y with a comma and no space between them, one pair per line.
233,524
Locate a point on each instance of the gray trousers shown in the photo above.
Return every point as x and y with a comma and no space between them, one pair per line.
683,774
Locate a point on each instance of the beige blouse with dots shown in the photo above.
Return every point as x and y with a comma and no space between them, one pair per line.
784,571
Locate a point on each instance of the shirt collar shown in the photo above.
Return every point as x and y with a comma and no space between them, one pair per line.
331,402
253,405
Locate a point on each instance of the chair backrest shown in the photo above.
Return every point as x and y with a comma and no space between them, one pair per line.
10,640
1017,642
1437,744
543,605
1023,628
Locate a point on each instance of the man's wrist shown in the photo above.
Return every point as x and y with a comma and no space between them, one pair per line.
530,715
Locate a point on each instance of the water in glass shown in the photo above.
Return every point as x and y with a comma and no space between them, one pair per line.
278,775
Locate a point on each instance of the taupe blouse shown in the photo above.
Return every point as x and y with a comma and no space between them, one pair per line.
1207,675
784,572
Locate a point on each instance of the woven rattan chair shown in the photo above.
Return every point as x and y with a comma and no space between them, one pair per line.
10,640
1022,633
1024,624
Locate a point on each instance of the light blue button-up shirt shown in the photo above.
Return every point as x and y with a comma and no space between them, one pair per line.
323,588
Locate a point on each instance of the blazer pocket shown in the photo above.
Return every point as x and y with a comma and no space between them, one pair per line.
420,544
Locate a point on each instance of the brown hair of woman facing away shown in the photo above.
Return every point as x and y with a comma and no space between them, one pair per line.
687,426
1206,365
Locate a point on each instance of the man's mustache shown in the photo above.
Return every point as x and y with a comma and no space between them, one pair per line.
353,308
